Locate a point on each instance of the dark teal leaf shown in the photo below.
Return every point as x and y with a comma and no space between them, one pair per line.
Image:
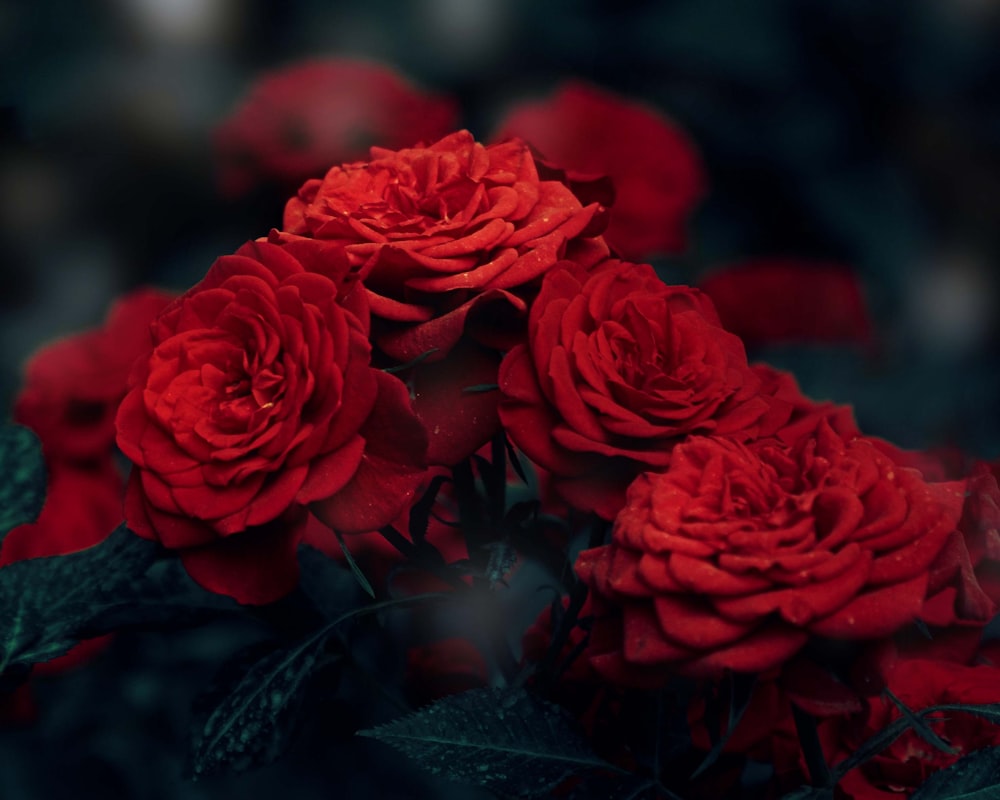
328,584
480,388
920,725
871,747
812,748
504,739
166,598
420,514
975,777
881,740
22,477
363,582
740,691
515,461
46,603
252,721
403,367
988,711
810,793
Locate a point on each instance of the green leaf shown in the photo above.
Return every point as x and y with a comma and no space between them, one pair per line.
504,739
988,711
46,603
740,691
975,777
920,725
885,737
403,367
252,721
810,793
22,477
363,582
326,582
480,388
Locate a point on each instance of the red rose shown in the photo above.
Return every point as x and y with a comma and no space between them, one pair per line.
738,553
779,300
618,368
439,232
258,399
72,388
298,121
655,169
908,761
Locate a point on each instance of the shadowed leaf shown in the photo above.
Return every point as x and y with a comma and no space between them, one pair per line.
505,740
22,491
45,603
975,777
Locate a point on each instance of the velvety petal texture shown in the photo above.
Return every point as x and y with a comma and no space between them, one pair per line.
618,368
257,399
431,229
737,553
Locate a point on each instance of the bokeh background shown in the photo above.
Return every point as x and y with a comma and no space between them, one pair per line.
858,132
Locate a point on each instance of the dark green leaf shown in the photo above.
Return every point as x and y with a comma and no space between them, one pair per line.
403,367
810,793
920,725
881,740
504,739
45,603
975,777
989,711
358,574
22,477
252,722
479,388
166,598
870,748
812,748
326,582
515,461
740,691
421,512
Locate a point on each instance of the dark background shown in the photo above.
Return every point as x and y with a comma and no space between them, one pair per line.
863,132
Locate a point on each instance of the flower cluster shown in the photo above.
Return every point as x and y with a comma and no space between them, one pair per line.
425,308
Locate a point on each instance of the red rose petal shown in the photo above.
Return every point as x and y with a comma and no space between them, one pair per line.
253,567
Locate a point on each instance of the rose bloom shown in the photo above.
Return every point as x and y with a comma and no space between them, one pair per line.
446,237
257,400
655,169
737,554
918,682
72,387
618,368
766,301
298,121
